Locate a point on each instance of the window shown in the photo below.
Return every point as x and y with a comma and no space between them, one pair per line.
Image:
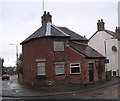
58,46
41,68
114,73
59,69
75,68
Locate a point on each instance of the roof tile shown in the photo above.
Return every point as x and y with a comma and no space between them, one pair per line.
51,30
86,50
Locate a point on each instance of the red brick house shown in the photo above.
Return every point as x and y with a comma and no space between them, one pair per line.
57,55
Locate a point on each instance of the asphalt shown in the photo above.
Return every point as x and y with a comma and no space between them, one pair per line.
27,91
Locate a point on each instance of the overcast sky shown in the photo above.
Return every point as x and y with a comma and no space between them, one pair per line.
20,18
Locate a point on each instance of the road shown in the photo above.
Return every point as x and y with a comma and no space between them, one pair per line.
11,89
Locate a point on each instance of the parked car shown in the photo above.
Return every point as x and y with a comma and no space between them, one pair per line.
5,76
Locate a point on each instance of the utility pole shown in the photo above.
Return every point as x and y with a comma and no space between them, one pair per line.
16,54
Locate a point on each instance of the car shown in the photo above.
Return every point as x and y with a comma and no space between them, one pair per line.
5,76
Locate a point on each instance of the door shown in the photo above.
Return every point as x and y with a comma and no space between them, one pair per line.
91,77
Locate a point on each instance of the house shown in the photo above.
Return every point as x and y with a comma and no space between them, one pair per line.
56,55
9,70
107,43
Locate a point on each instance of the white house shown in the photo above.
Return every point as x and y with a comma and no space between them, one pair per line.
108,44
119,27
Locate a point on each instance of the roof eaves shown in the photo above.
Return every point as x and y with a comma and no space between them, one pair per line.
108,32
92,35
95,57
78,40
114,34
25,41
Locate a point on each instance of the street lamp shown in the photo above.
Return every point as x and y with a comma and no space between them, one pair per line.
16,52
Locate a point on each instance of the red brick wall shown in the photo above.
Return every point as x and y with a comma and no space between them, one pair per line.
40,49
43,49
75,57
36,49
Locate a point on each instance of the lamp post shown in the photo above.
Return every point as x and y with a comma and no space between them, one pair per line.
16,53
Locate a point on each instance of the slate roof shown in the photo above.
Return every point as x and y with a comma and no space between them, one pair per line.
85,50
73,36
51,30
114,34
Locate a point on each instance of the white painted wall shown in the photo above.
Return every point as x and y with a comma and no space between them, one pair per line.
119,56
98,43
0,67
119,41
111,55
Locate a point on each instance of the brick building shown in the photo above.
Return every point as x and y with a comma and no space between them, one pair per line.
56,55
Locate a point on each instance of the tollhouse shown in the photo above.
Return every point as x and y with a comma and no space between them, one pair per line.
56,55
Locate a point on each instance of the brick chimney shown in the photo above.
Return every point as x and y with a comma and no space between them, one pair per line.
46,17
117,30
100,25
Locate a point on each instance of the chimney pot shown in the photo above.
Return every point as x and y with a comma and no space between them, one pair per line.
117,30
48,13
100,25
44,12
46,18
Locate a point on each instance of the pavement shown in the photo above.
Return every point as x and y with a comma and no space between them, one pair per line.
20,91
0,87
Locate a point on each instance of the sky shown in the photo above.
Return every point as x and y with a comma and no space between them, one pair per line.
119,14
20,18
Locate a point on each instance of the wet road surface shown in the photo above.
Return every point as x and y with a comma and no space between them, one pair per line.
11,88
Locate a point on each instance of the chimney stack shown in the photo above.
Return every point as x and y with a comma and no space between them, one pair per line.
46,18
117,30
100,25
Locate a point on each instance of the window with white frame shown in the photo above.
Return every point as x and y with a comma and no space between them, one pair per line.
75,68
59,69
58,46
40,68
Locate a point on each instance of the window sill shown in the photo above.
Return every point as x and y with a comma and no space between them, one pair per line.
40,77
59,74
75,74
58,51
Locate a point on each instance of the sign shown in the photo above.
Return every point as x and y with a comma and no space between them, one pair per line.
106,61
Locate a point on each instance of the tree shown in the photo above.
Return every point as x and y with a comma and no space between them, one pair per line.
100,69
20,64
3,71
